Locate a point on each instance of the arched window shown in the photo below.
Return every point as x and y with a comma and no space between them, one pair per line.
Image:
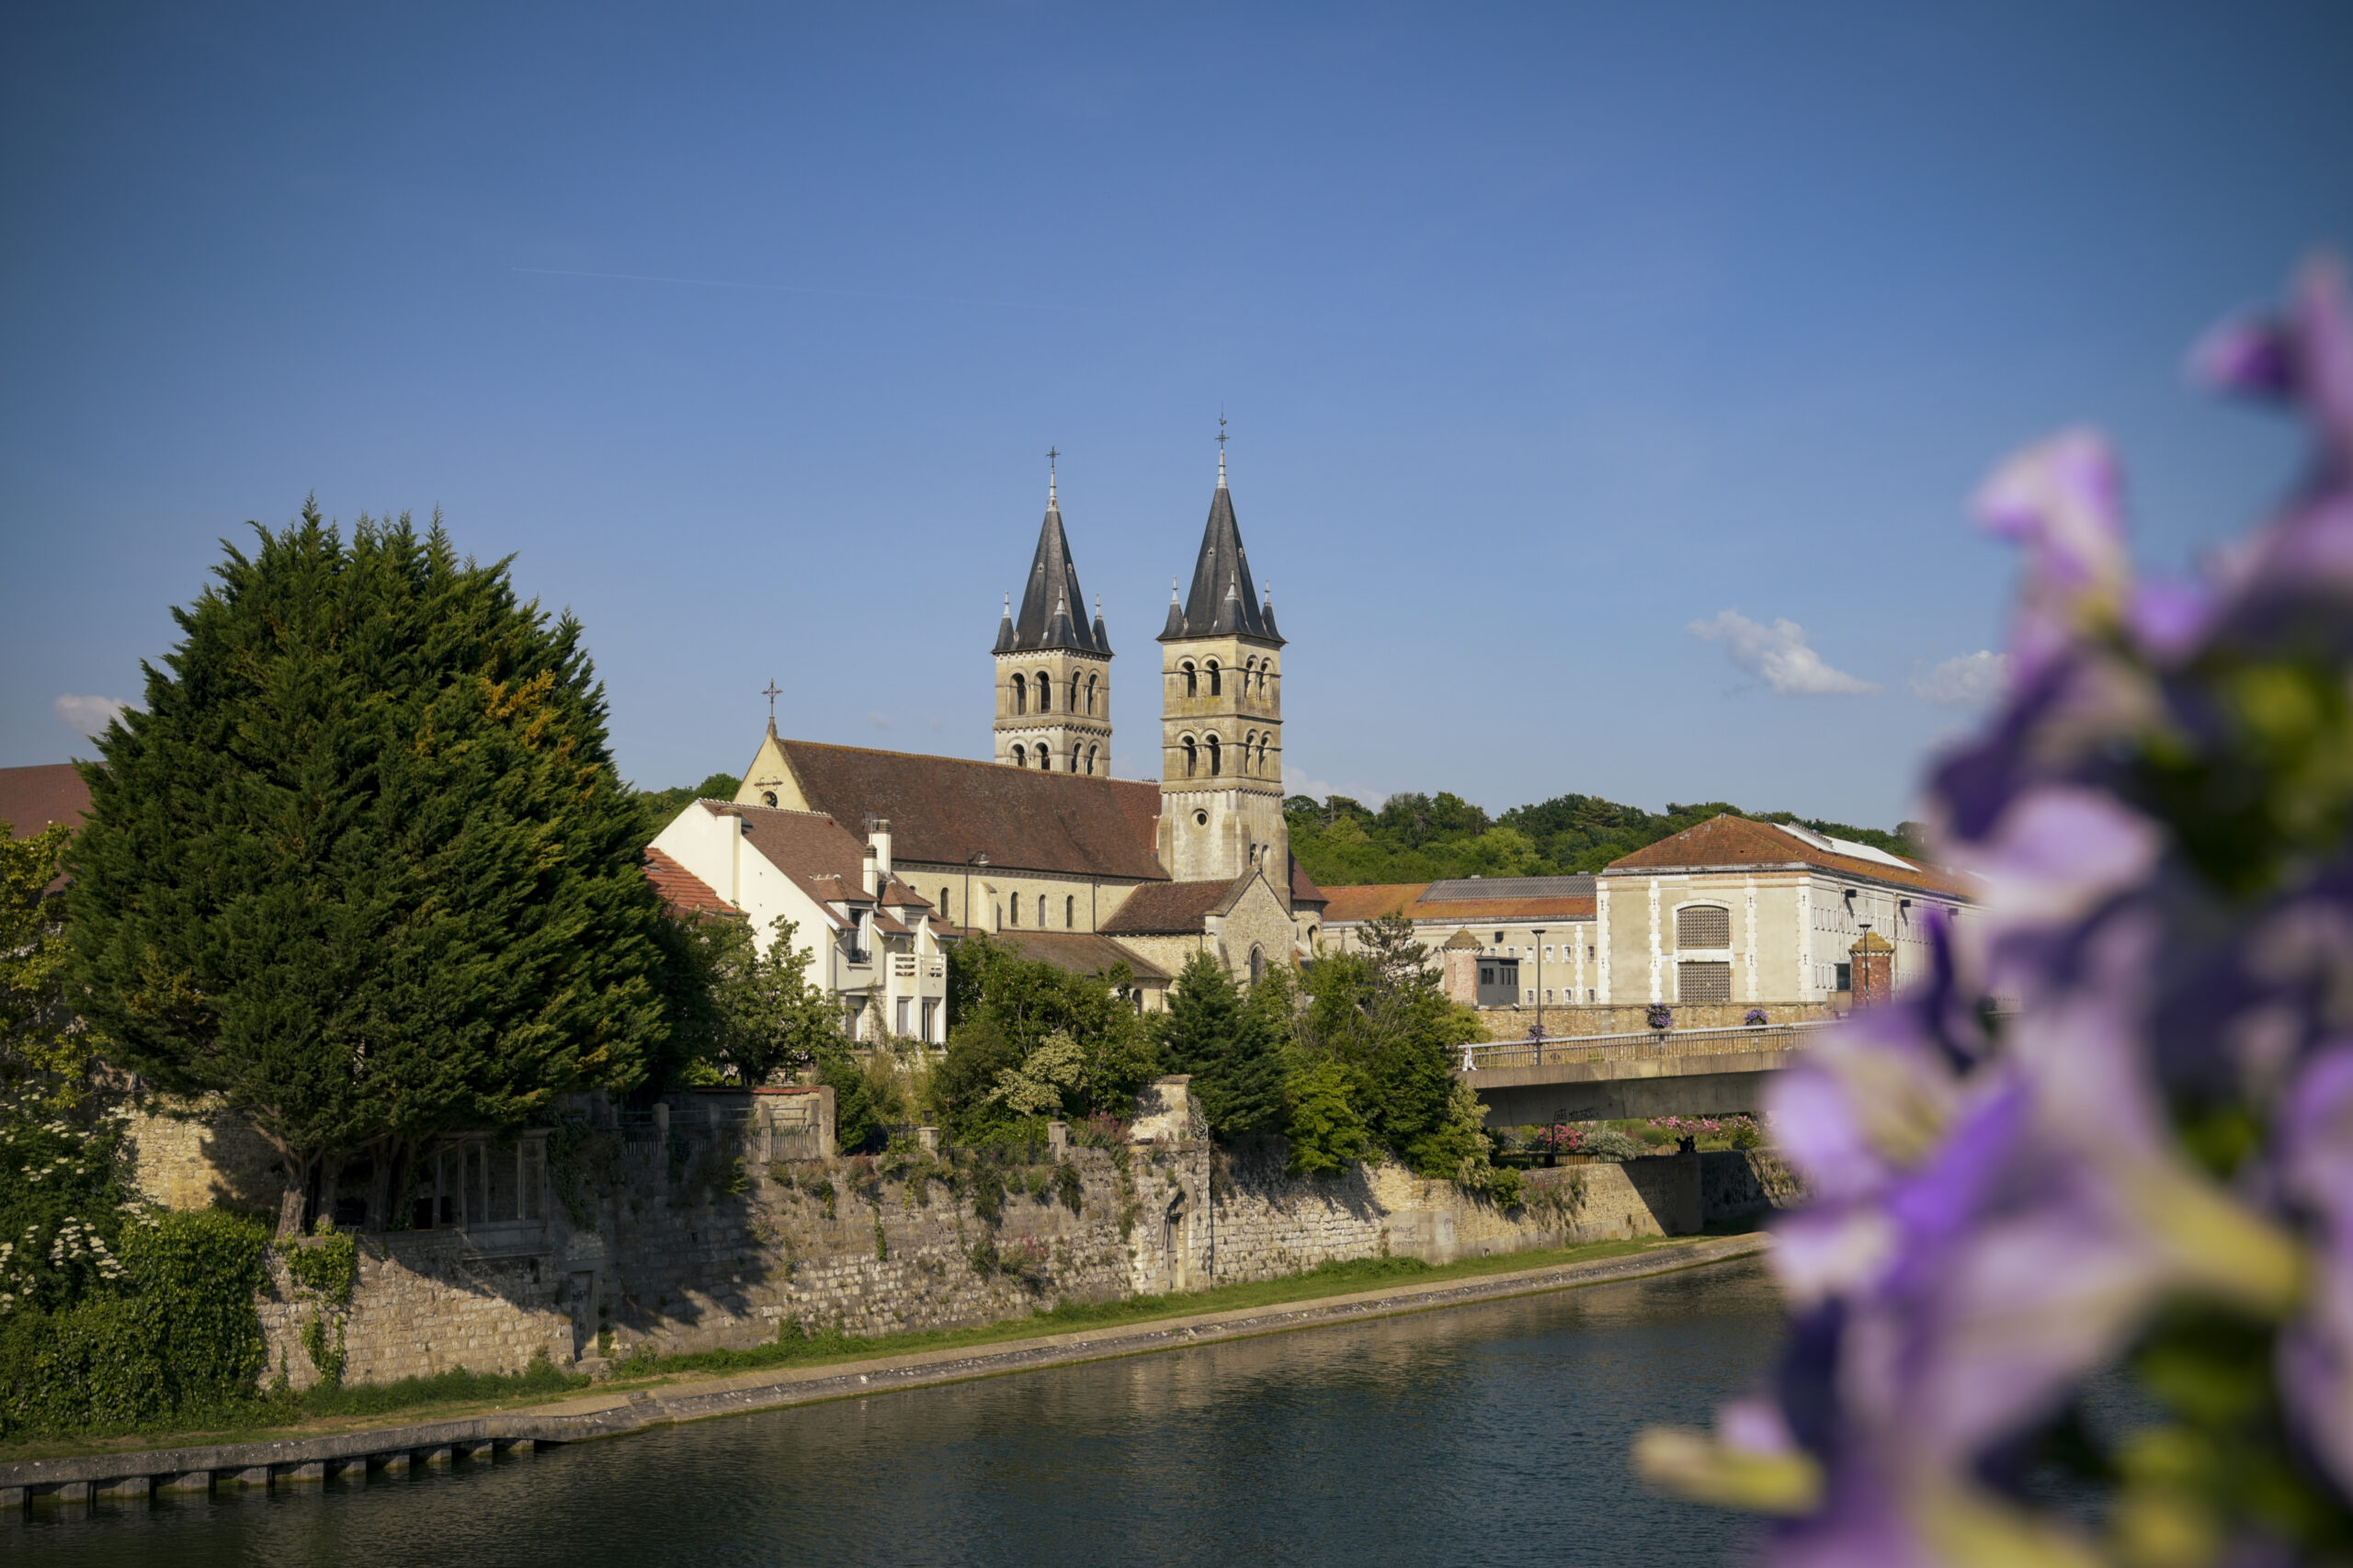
1020,753
1246,742
1021,694
1258,963
943,906
1042,912
1017,909
1217,757
1090,762
767,797
1045,759
1070,911
1045,693
1090,694
1216,686
1310,939
1192,680
1262,759
1189,756
1072,706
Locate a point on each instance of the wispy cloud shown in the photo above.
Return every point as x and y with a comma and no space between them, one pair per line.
1778,653
1964,681
89,715
1297,782
881,720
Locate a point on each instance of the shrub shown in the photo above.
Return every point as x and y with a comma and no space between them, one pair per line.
1660,1016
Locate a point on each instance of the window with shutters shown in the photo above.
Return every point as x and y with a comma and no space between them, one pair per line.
1703,926
1704,981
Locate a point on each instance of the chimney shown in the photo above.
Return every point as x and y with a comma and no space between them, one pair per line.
878,840
866,872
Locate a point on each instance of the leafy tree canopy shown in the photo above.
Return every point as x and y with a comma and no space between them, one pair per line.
363,864
1420,838
1021,1028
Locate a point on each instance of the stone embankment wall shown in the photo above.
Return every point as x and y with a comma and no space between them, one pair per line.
1571,1022
688,1242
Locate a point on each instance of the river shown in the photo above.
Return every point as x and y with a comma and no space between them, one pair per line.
1494,1434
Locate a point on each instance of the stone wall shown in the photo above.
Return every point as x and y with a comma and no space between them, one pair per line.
194,1155
680,1238
1571,1022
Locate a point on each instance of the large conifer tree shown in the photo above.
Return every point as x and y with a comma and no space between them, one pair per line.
363,864
1231,1045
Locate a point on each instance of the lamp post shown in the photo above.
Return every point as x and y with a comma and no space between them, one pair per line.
1538,932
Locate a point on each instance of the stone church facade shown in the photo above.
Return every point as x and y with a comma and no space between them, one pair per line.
1040,847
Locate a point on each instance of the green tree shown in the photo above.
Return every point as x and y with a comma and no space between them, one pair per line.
744,1012
38,1038
1230,1042
657,807
363,864
1006,1008
1380,1016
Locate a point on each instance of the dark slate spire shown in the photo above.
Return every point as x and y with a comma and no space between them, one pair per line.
1053,584
1176,627
1224,600
1267,612
1102,638
1004,628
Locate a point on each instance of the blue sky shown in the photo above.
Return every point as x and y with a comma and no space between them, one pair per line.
1547,334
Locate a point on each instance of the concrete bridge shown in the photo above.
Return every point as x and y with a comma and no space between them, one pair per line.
1597,1078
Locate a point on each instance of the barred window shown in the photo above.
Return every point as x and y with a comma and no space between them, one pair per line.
1704,981
1703,926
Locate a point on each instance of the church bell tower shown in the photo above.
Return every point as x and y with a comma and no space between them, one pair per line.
1221,716
1053,670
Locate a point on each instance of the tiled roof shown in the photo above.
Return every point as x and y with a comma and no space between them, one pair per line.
681,889
818,854
1505,911
1163,909
1081,952
1369,900
1729,841
32,798
944,810
1472,889
1302,886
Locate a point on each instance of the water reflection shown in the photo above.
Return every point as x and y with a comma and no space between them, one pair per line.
1482,1434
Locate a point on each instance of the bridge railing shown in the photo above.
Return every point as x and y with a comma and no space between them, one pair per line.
1563,1050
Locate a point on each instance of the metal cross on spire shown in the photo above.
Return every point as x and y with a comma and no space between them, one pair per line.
772,693
1220,448
1051,453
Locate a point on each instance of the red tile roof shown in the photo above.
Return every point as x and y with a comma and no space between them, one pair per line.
1080,953
684,892
1166,909
1508,911
945,810
32,798
819,855
1731,841
1369,900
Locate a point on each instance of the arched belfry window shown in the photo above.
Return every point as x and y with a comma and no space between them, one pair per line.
1072,706
1021,754
1020,694
1217,685
767,797
1192,680
1090,694
1247,741
1045,693
1189,756
1045,759
1217,757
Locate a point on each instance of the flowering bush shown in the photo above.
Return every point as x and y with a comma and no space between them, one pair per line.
1659,1016
1755,1018
2150,1165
